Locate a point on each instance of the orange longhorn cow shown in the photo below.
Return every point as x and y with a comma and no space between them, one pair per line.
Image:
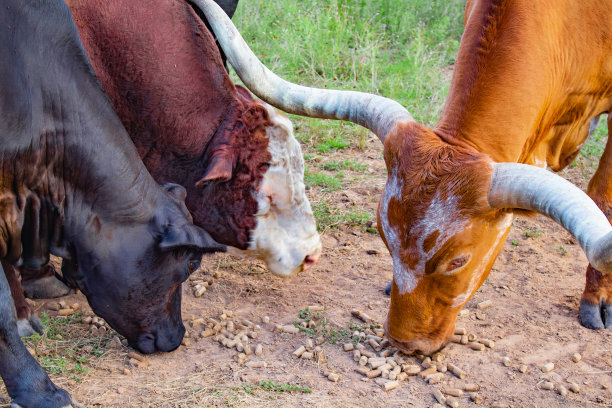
529,78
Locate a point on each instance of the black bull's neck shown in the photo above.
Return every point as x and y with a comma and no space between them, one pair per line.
65,155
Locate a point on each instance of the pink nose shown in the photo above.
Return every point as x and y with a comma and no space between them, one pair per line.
310,260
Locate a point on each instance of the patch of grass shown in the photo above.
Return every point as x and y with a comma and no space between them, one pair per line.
346,164
332,143
329,216
515,242
594,146
275,387
532,232
326,181
317,325
57,351
561,250
394,48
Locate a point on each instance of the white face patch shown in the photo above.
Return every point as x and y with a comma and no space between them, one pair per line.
286,232
406,281
442,216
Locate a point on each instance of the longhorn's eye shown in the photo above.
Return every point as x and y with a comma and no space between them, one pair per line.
457,263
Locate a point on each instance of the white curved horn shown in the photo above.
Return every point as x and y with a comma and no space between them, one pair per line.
523,186
377,113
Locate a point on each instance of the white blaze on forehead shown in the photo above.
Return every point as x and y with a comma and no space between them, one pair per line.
393,189
285,231
501,226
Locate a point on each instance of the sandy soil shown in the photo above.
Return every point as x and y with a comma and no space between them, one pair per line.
534,287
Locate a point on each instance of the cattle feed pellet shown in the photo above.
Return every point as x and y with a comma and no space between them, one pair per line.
363,360
575,388
298,352
484,304
452,403
356,355
362,370
199,291
476,398
460,331
66,312
547,385
523,368
333,377
455,338
442,368
265,319
390,385
307,355
207,333
476,346
561,390
428,371
438,357
411,369
458,372
455,392
374,344
386,353
426,363
374,373
248,350
506,361
548,367
576,357
471,387
439,396
395,372
315,308
464,339
434,378
258,350
290,329
488,343
256,364
368,353
472,337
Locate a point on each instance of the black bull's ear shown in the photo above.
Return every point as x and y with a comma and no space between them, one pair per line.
189,235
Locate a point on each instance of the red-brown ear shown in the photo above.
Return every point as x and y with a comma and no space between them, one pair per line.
219,169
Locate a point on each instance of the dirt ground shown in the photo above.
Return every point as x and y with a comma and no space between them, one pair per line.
534,287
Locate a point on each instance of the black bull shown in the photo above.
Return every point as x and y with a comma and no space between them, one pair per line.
72,184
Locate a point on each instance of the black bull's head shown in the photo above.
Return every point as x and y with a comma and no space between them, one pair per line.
132,274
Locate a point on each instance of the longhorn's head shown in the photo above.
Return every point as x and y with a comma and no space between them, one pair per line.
445,209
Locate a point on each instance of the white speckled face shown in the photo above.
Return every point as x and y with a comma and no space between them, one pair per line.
393,190
442,216
285,235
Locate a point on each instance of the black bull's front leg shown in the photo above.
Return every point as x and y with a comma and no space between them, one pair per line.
26,382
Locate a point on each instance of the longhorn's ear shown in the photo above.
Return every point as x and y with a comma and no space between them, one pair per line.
219,169
189,235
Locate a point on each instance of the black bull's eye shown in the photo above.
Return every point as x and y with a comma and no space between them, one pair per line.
193,266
